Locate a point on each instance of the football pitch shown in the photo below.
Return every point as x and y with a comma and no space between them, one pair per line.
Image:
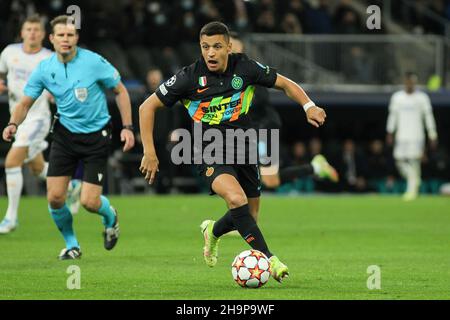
328,243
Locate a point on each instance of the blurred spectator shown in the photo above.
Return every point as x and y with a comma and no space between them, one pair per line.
297,8
299,154
318,18
208,12
234,13
154,79
266,22
352,168
136,18
357,66
347,21
382,169
290,24
432,25
315,147
435,169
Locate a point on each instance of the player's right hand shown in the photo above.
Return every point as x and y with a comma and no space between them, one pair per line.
316,116
9,132
3,86
149,167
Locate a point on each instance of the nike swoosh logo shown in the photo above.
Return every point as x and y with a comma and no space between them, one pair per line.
202,90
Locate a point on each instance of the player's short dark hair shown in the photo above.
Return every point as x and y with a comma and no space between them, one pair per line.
34,18
62,19
215,28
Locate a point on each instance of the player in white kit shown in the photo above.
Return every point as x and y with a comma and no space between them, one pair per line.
409,109
17,61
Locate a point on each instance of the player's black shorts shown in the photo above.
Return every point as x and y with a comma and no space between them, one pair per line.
68,148
247,175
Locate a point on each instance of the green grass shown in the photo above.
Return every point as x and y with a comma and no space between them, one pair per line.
327,242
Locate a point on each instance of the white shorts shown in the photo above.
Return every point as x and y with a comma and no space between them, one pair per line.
32,133
408,149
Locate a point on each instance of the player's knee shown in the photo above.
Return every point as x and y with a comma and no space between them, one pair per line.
35,170
270,182
56,200
235,199
11,162
91,204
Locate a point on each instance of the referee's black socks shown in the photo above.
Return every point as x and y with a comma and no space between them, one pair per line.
241,219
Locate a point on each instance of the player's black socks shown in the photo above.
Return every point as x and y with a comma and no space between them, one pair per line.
223,225
249,230
292,173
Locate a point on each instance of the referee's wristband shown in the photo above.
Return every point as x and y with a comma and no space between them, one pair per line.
13,124
308,105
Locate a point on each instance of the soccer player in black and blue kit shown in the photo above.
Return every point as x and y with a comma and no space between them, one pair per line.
217,92
77,78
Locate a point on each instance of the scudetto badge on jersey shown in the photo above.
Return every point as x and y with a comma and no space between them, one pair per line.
237,82
81,94
202,81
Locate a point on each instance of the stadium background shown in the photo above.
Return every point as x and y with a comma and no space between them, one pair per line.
322,44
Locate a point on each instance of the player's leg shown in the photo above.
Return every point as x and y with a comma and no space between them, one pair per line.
74,190
32,134
229,189
29,142
38,166
414,153
253,204
249,179
62,162
319,167
56,196
407,155
413,173
93,201
14,184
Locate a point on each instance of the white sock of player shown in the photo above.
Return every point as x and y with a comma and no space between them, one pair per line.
14,184
43,174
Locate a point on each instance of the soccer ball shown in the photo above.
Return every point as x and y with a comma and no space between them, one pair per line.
251,269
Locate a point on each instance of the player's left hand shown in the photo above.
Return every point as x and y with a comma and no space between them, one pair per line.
9,132
127,136
316,116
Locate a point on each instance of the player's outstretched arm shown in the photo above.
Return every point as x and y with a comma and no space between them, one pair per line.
124,106
147,110
315,115
17,117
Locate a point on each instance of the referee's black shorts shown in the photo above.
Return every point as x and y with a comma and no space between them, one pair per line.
246,174
68,149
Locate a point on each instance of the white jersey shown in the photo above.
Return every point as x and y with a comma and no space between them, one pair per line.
407,115
19,65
